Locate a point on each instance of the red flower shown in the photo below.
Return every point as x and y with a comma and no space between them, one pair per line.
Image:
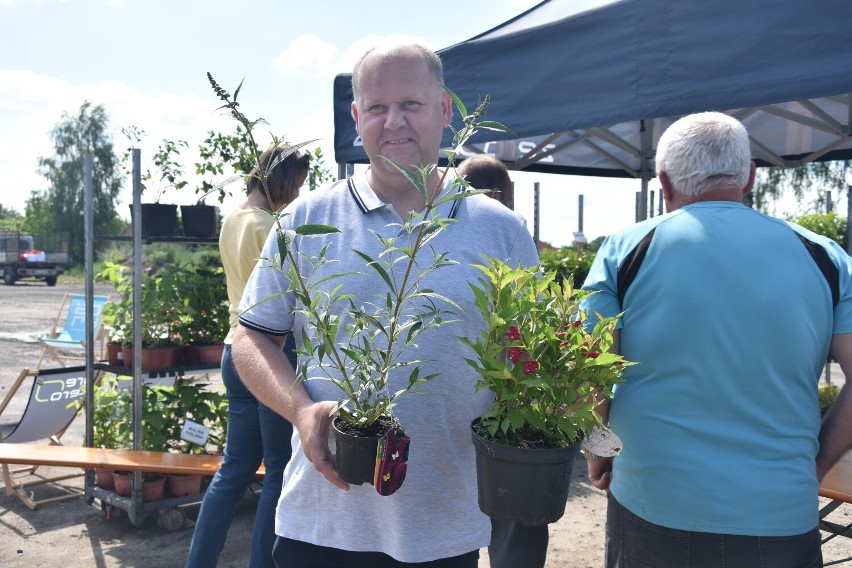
530,367
577,323
516,354
514,334
591,354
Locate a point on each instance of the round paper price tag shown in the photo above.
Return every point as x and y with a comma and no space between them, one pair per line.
602,442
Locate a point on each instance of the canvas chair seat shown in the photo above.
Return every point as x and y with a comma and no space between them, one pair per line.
67,338
55,398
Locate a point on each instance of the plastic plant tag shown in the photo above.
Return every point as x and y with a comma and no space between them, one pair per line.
602,442
391,461
194,433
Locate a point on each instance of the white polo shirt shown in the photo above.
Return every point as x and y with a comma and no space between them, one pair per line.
435,513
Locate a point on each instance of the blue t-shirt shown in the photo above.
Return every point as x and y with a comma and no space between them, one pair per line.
730,320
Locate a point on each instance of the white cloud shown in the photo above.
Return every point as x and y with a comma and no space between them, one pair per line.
307,54
359,47
31,105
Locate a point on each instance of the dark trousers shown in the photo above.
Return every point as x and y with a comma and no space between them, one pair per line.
633,542
289,553
516,545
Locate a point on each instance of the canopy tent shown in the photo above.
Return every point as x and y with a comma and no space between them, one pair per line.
588,86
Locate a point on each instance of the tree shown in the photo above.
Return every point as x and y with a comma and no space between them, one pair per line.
38,219
10,219
74,136
808,184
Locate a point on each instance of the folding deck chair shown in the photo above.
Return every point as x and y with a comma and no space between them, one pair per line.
71,337
55,398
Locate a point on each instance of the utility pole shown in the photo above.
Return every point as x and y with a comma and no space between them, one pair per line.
537,205
580,213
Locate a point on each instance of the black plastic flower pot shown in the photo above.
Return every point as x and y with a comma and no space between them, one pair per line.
200,220
158,220
519,484
356,456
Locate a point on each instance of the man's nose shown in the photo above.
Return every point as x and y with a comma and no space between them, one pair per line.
395,117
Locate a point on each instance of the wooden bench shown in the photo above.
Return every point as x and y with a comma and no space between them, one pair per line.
130,460
837,486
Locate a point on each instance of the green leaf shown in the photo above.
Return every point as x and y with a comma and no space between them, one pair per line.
314,230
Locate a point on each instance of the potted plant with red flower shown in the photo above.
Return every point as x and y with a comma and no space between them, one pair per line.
548,373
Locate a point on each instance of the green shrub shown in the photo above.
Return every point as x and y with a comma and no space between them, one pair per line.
568,262
825,224
827,396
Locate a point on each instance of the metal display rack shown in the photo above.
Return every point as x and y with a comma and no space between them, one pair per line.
170,516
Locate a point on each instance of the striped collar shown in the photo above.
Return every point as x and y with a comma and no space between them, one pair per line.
367,200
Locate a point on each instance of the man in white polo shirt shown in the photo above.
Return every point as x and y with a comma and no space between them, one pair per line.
400,110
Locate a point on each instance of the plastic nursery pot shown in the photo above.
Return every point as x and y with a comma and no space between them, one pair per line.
526,485
200,220
158,219
356,454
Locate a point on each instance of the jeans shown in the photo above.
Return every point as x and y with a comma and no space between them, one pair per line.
290,553
254,432
632,542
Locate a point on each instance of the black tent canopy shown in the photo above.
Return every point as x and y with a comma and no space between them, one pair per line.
588,86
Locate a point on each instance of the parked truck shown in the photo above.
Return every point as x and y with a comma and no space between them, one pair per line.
20,258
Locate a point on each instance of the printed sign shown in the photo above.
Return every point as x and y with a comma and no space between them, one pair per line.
194,433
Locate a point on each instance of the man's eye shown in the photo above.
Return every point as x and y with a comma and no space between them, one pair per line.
377,108
411,104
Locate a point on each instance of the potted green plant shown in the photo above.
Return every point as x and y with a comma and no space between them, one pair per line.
359,352
165,411
111,424
159,219
117,316
548,374
217,150
205,318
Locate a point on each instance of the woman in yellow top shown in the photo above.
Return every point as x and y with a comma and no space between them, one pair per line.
254,431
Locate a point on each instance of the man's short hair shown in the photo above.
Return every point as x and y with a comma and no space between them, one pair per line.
704,152
484,171
436,67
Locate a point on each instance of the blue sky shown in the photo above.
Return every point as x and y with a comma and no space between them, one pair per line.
145,61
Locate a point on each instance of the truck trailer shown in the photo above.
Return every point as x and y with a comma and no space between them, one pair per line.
19,258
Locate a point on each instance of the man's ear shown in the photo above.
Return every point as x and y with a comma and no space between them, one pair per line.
750,185
354,111
666,186
447,109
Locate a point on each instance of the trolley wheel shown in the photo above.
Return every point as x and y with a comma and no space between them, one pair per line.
171,520
9,277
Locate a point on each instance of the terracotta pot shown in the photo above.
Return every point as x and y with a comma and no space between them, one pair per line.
205,355
122,482
181,485
153,487
154,358
104,478
115,355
